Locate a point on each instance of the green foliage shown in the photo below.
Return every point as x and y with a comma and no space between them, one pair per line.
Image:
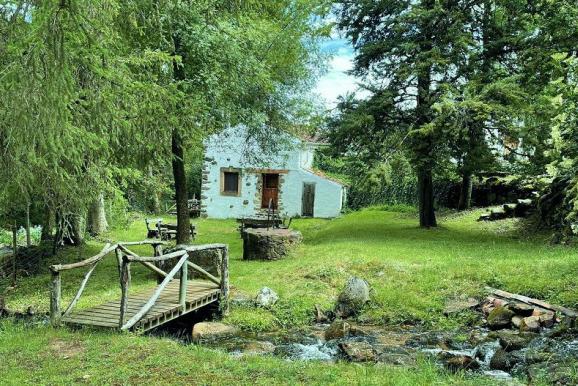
252,319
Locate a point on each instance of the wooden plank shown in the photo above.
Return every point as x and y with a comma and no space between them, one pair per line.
166,308
535,302
103,323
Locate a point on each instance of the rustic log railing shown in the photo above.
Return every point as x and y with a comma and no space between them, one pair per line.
124,258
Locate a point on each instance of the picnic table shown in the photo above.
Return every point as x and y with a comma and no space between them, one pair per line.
165,231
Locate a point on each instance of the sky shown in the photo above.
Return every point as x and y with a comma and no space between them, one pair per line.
336,81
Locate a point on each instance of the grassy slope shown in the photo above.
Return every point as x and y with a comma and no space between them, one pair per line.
411,270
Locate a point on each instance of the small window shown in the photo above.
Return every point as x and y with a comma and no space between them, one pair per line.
230,182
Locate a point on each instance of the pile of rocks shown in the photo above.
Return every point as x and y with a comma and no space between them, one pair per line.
502,314
521,208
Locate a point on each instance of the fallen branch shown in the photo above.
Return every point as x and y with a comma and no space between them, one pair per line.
534,302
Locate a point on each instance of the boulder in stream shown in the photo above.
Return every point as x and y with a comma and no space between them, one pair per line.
337,330
457,362
353,298
513,340
505,361
358,351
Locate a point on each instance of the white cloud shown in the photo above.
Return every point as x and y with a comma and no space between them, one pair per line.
337,81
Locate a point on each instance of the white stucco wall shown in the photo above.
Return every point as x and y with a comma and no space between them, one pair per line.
231,150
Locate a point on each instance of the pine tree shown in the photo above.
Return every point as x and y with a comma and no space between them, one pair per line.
410,52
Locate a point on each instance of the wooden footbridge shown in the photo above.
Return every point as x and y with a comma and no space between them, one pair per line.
142,311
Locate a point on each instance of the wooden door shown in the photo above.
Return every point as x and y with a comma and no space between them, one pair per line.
308,199
270,191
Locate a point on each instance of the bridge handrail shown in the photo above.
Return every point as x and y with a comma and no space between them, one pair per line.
57,269
180,266
105,251
125,257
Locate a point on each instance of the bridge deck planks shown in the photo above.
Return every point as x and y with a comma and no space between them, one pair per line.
166,308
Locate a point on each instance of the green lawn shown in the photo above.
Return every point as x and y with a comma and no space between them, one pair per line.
412,272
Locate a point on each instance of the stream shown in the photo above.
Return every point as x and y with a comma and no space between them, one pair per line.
478,351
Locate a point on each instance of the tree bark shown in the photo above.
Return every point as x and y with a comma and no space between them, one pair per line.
181,190
465,201
427,217
97,223
424,147
76,231
178,161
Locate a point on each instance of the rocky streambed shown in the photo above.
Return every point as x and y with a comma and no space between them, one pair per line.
504,354
511,341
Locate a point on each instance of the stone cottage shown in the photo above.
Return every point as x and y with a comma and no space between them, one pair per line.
241,179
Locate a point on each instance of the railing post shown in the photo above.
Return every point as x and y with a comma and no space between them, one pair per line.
159,252
118,254
225,281
55,295
124,286
183,284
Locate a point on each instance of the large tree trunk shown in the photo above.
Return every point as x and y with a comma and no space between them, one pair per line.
180,177
181,191
424,147
97,223
427,217
465,201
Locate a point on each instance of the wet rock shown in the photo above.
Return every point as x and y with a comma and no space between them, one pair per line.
358,351
477,337
513,340
459,305
530,324
337,330
547,319
353,298
458,362
259,348
396,356
206,331
537,356
521,309
430,339
505,361
500,317
266,297
517,321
